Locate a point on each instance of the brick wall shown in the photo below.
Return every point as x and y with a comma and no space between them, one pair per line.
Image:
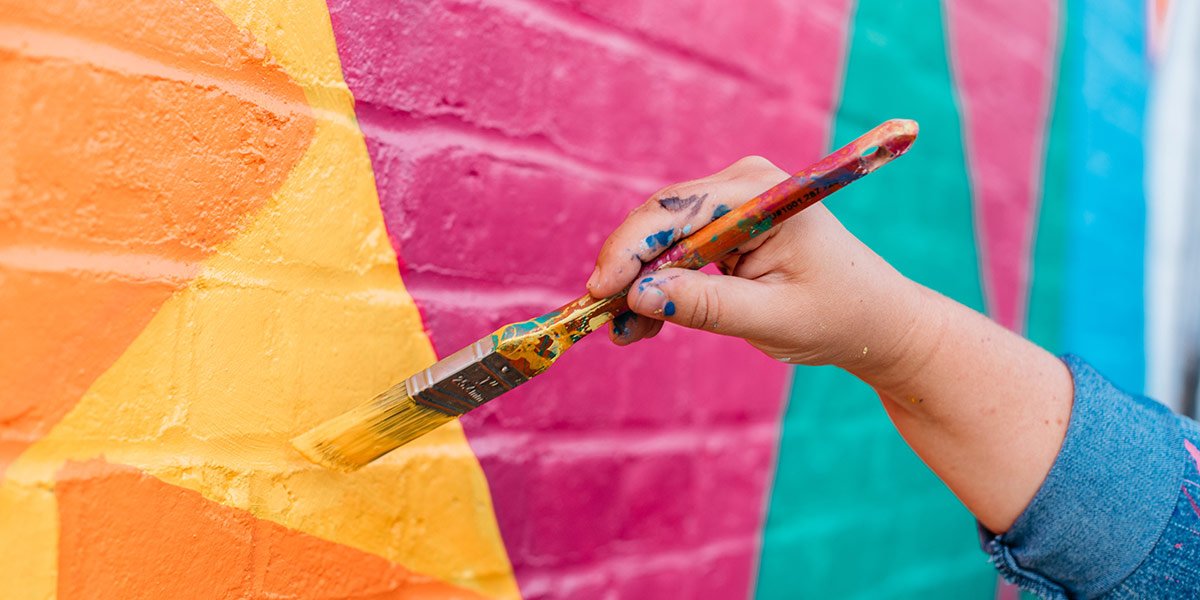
224,221
508,138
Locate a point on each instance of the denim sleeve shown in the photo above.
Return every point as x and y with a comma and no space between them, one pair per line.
1117,516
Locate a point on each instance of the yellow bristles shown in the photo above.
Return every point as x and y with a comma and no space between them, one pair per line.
353,439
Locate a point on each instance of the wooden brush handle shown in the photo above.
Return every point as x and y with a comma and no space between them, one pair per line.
721,237
549,335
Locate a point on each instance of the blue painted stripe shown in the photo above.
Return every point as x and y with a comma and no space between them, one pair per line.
1105,309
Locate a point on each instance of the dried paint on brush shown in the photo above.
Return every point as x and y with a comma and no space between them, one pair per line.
532,346
731,228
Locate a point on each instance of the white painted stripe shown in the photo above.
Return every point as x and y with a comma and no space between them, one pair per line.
1173,216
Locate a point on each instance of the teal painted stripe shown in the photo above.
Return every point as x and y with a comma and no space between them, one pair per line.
1047,289
854,513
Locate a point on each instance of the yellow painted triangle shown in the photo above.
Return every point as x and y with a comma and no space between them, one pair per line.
301,316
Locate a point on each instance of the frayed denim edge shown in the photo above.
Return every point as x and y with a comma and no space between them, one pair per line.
1001,557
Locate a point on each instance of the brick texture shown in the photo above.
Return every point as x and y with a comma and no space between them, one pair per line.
508,138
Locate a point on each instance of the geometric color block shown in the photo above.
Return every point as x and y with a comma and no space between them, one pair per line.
126,534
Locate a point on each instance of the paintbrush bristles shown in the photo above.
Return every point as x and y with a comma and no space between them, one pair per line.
350,441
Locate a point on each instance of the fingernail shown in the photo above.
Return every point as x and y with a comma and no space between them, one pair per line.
653,299
623,325
594,278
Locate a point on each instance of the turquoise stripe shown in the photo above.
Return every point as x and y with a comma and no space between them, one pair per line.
1104,319
854,513
1048,286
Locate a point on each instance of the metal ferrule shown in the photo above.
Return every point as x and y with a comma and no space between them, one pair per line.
465,379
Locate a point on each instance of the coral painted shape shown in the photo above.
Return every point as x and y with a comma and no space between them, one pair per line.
135,151
1004,55
125,534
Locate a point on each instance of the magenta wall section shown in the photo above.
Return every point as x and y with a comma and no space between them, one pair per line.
507,139
1003,56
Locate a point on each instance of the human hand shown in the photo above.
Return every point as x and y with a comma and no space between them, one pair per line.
984,408
806,291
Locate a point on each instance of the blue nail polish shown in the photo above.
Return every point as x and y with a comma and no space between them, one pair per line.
622,326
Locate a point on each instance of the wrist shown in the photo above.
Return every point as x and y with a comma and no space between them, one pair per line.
905,336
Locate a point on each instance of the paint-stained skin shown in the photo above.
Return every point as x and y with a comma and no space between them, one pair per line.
678,204
661,239
623,324
533,346
837,170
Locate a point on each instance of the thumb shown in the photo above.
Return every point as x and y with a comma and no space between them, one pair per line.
725,304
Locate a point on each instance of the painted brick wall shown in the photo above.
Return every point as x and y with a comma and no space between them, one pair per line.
194,268
508,138
222,221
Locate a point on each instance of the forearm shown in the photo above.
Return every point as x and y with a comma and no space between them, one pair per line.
984,408
1087,486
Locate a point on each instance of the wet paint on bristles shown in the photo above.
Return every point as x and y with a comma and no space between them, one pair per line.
352,440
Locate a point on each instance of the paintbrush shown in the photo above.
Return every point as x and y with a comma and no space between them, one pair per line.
516,353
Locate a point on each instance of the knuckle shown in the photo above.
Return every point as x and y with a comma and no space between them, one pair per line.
754,161
666,192
706,312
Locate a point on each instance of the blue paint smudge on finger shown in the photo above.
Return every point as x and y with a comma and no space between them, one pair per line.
622,325
720,211
669,308
662,238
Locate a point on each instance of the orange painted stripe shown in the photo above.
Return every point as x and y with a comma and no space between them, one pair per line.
124,534
140,135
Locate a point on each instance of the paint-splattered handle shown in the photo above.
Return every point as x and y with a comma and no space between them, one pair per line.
532,346
851,162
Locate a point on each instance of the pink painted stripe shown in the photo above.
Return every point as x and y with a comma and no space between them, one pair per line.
1003,54
507,140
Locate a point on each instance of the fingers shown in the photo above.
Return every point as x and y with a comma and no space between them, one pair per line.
728,265
672,214
728,305
631,327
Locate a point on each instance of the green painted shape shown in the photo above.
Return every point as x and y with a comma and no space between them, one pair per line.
1046,297
854,513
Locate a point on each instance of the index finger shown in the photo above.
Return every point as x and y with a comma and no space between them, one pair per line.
672,214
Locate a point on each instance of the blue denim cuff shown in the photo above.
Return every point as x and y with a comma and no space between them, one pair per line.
1106,500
